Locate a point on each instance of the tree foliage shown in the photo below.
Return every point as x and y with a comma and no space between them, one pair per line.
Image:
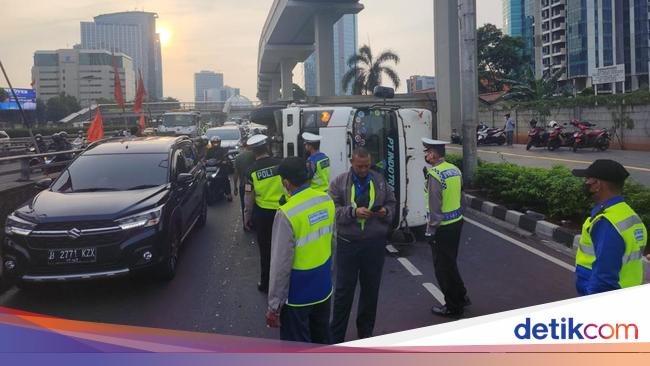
499,56
367,72
299,93
61,106
3,95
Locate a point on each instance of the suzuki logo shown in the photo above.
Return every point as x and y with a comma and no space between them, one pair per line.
74,233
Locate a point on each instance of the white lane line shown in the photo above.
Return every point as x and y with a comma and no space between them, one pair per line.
523,246
433,290
391,249
410,267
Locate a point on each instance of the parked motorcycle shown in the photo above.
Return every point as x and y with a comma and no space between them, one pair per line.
558,137
455,137
588,136
537,136
489,135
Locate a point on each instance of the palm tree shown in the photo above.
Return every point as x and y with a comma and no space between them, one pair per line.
532,89
366,73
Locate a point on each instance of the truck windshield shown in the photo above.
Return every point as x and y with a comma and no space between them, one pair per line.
376,131
182,120
225,134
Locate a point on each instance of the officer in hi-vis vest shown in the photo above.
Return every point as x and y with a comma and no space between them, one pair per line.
318,162
300,288
445,222
613,238
263,191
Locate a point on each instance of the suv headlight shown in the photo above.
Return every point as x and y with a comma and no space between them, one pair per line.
142,219
18,226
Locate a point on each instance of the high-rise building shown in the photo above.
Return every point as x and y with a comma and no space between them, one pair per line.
134,34
603,33
345,46
84,74
514,17
418,83
553,50
204,81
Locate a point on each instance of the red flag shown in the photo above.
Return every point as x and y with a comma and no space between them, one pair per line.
142,122
139,95
96,130
119,97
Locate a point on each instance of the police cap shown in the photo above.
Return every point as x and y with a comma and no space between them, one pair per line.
310,137
604,169
257,141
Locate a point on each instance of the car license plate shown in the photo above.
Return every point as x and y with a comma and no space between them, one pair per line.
70,256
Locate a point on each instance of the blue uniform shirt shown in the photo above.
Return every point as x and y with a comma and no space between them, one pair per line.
313,159
609,247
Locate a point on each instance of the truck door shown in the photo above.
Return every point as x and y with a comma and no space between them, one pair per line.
291,131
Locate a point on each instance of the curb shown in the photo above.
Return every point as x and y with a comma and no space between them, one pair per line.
541,228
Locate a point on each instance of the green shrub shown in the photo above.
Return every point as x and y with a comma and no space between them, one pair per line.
638,197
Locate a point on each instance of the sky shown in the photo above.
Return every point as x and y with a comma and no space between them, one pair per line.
218,35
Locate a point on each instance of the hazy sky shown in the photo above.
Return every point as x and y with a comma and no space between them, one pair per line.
220,35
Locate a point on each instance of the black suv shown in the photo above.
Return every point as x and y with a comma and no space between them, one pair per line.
121,206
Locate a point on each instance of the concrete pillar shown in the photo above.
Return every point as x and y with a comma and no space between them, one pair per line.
274,92
447,57
286,72
324,46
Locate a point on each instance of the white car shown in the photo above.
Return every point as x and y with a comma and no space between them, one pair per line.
231,136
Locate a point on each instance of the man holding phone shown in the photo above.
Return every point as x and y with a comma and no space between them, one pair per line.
365,207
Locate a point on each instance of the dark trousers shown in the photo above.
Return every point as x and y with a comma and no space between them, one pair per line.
308,324
263,222
445,252
242,192
363,261
509,137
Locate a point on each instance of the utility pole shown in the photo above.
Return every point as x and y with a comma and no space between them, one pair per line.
469,86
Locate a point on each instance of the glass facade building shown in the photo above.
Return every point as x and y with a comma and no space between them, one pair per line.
514,17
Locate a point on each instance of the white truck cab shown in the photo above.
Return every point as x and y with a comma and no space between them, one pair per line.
391,134
181,123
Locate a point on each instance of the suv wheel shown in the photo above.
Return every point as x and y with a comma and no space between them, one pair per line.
167,269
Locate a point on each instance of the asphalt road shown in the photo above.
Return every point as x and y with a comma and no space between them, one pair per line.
215,287
636,162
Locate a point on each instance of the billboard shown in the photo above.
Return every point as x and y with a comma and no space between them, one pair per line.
27,98
609,74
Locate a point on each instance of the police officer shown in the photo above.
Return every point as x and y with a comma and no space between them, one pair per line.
300,287
263,191
444,225
613,237
318,162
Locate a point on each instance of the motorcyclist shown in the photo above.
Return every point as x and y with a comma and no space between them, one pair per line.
40,143
218,153
80,141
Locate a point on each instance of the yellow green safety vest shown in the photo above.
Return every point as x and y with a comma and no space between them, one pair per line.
321,179
629,225
267,185
311,214
353,192
451,182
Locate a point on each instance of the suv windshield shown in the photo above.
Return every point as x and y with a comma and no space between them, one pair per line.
225,134
119,172
172,120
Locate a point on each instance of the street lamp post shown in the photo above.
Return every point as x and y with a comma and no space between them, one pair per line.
469,86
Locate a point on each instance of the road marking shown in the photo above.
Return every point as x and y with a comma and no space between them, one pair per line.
391,249
433,290
523,246
647,170
410,267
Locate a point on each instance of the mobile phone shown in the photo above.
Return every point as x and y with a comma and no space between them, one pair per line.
376,209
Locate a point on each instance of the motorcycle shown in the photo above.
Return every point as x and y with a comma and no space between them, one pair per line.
488,135
217,173
537,136
588,136
558,138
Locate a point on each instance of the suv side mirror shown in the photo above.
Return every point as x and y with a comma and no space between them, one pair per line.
383,92
184,178
44,183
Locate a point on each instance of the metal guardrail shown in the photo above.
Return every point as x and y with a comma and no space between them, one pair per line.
26,170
